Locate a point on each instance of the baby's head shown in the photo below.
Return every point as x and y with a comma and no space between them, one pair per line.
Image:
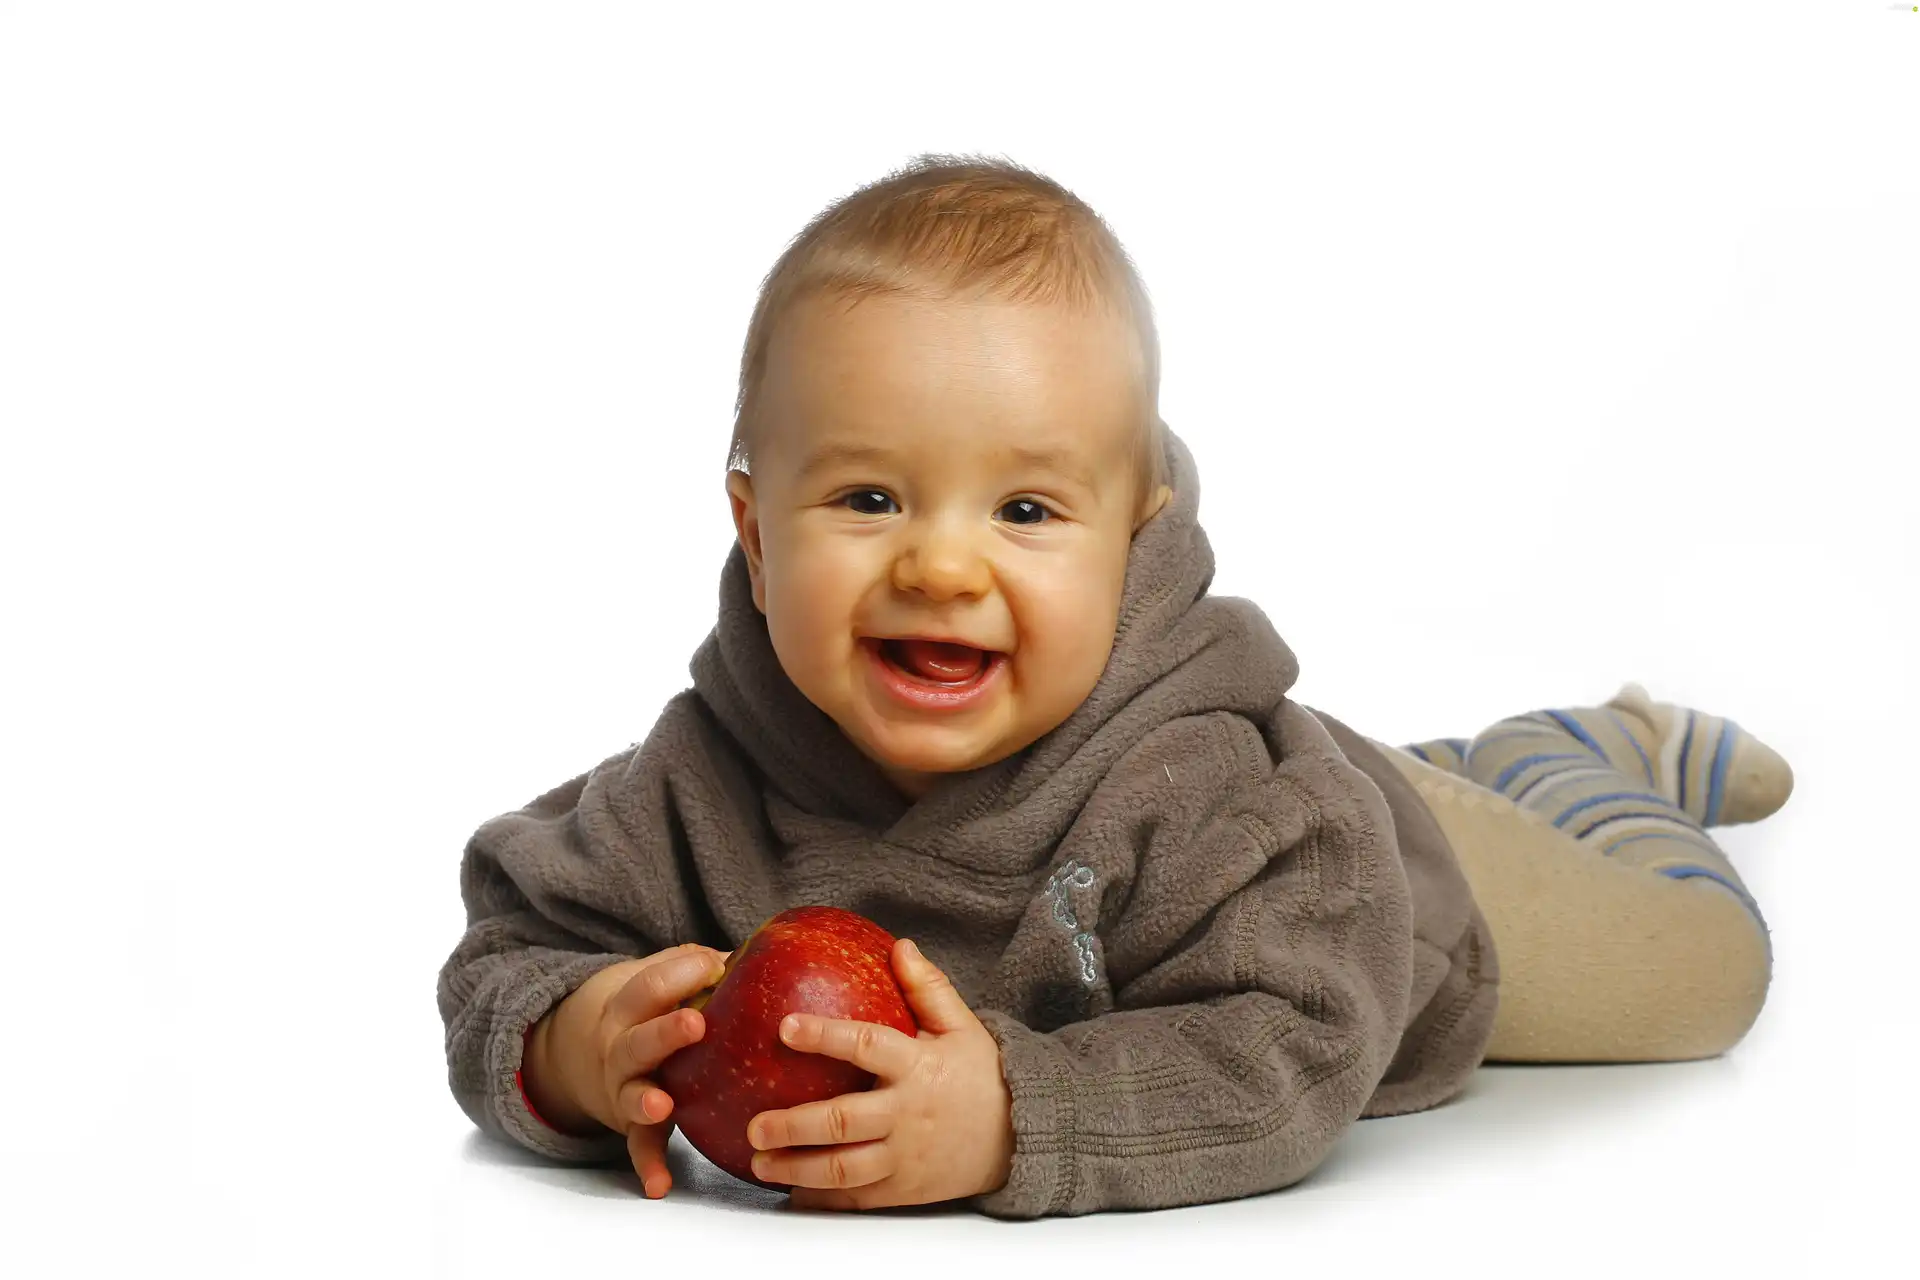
946,436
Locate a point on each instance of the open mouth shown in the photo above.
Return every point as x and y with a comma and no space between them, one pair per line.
935,674
936,661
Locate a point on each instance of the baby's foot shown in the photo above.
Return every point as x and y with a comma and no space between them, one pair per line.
1710,767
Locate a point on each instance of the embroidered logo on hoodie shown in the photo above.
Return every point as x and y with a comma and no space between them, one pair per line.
1059,884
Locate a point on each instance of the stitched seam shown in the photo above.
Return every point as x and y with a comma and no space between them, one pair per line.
1246,934
1268,1123
1313,994
1066,1181
1146,1079
1444,1022
1308,856
1365,868
1276,1029
1363,858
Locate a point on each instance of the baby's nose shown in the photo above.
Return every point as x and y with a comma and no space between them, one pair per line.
942,566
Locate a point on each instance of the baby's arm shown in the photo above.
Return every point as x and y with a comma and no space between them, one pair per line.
1261,966
568,890
516,963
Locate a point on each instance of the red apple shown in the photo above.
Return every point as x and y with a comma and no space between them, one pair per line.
818,960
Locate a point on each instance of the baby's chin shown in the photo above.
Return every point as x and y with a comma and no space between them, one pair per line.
916,758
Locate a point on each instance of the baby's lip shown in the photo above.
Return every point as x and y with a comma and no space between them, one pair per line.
934,637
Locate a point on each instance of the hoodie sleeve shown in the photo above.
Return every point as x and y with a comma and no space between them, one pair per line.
590,874
1261,968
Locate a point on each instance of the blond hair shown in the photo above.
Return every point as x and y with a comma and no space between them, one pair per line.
958,226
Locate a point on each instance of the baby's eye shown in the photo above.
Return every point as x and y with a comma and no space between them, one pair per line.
871,502
1022,511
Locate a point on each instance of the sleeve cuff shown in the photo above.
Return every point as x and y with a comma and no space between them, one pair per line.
506,1050
1039,1076
520,1083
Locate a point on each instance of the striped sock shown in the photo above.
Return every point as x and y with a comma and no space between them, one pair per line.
1709,767
1720,774
1634,779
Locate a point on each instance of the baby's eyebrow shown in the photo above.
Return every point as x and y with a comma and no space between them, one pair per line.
834,454
1063,463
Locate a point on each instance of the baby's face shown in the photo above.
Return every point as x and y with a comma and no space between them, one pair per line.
938,519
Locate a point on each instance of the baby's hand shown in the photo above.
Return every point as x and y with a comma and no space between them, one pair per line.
936,1126
613,1052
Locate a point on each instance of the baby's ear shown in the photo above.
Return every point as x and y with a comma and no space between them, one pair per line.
1157,500
746,526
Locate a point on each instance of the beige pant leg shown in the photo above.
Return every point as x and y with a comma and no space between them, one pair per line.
1600,961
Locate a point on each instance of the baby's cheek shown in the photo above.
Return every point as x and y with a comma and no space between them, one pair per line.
1067,635
804,620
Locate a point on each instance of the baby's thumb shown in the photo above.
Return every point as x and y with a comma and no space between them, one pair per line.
936,1005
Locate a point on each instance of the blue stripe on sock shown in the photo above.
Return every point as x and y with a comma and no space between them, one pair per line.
1524,763
1686,746
1579,731
1416,751
1717,784
1520,795
1609,798
1622,817
1689,873
1637,748
1553,776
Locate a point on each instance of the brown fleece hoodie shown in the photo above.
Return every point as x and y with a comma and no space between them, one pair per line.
1208,927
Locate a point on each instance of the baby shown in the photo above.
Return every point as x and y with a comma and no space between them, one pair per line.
1172,933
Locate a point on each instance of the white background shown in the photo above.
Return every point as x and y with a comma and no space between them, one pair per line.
366,374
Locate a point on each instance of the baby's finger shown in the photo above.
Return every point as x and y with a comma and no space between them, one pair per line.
641,1101
639,1051
647,1148
684,948
659,987
881,1050
836,1167
851,1117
